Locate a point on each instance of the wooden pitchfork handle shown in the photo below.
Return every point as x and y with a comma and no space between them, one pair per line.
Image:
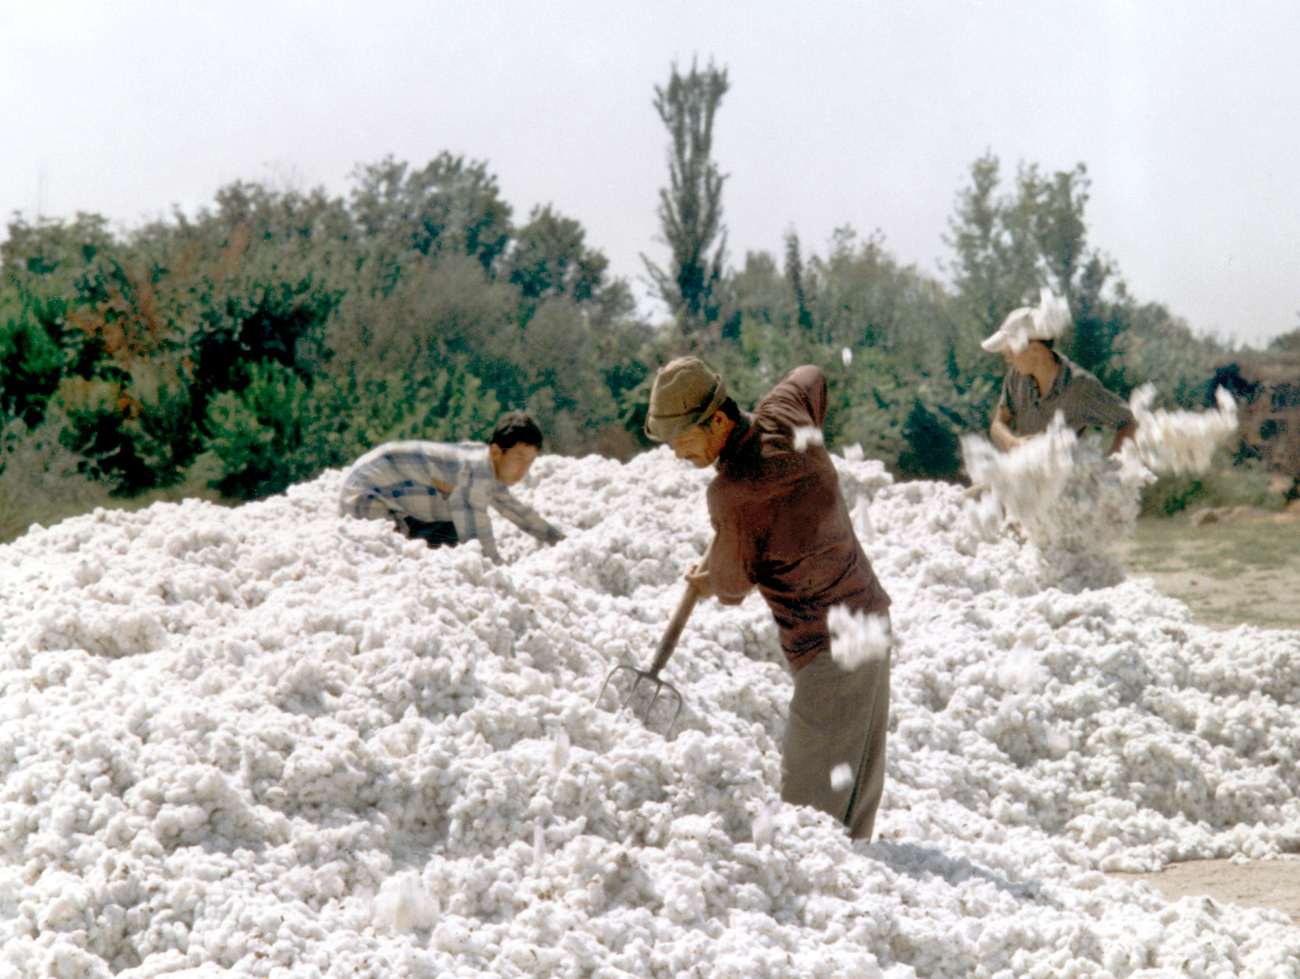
674,631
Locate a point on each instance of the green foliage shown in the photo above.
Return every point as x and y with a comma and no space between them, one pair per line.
932,449
550,259
912,386
1152,346
266,434
450,406
1223,485
996,269
690,207
39,479
277,430
271,318
31,364
283,332
132,433
1008,246
449,206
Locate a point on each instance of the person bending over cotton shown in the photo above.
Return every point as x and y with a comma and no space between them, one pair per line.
781,524
440,492
1041,382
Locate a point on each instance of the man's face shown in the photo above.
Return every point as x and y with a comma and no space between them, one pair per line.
701,445
1024,360
512,464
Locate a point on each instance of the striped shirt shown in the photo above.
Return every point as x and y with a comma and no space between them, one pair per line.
397,479
1075,393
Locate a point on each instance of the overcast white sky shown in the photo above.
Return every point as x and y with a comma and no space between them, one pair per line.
840,112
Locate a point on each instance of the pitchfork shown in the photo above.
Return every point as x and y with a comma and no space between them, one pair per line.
651,676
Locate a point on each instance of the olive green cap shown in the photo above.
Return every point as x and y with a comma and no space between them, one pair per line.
685,393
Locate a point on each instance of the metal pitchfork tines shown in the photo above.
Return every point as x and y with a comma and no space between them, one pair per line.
655,687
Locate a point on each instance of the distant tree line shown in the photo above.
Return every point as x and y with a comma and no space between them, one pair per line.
282,332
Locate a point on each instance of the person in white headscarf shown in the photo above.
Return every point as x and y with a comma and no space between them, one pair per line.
1041,381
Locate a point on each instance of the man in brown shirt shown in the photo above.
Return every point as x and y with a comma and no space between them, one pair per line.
781,524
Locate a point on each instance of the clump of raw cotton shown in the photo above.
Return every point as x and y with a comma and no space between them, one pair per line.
1029,478
1172,443
272,741
857,638
806,435
1063,494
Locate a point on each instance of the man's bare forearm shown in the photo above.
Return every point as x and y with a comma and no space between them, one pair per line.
1126,432
1001,435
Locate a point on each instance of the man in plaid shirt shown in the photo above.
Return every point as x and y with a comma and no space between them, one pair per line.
440,492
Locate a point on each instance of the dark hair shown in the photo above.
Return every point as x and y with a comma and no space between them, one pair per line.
1049,344
728,408
516,428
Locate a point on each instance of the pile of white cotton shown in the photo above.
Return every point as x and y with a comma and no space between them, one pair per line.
278,742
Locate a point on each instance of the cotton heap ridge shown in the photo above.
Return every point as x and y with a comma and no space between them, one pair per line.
280,742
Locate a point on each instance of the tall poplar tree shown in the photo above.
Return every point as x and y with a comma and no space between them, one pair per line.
690,207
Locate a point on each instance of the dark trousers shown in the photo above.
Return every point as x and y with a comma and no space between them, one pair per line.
435,533
838,718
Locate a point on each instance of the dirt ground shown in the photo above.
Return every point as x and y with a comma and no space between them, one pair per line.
1260,883
1244,568
1241,570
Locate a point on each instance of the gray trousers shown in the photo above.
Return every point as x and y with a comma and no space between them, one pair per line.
838,718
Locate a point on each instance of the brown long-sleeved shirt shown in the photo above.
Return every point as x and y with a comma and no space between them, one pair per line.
780,521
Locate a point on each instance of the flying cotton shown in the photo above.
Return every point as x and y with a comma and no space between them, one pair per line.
857,637
806,435
1071,500
1172,443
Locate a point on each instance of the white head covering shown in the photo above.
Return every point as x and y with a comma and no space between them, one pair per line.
1047,321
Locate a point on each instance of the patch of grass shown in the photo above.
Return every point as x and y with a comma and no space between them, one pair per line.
1220,550
1224,485
1156,544
1227,574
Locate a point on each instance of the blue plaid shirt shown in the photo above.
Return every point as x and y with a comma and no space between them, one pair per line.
396,480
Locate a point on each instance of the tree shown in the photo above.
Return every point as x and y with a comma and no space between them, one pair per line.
690,207
794,275
1047,216
448,206
994,270
1007,247
550,258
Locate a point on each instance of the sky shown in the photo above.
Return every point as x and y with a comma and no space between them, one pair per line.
840,112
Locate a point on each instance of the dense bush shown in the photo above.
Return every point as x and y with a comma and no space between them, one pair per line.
1224,485
281,333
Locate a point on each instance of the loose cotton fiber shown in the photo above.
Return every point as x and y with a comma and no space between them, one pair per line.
1069,499
857,638
1172,443
841,777
806,435
404,904
1072,501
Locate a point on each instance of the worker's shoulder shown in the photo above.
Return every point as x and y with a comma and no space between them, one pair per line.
806,376
804,383
1080,384
1075,374
418,449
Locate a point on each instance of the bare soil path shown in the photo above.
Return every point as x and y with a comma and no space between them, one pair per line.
1228,573
1258,884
